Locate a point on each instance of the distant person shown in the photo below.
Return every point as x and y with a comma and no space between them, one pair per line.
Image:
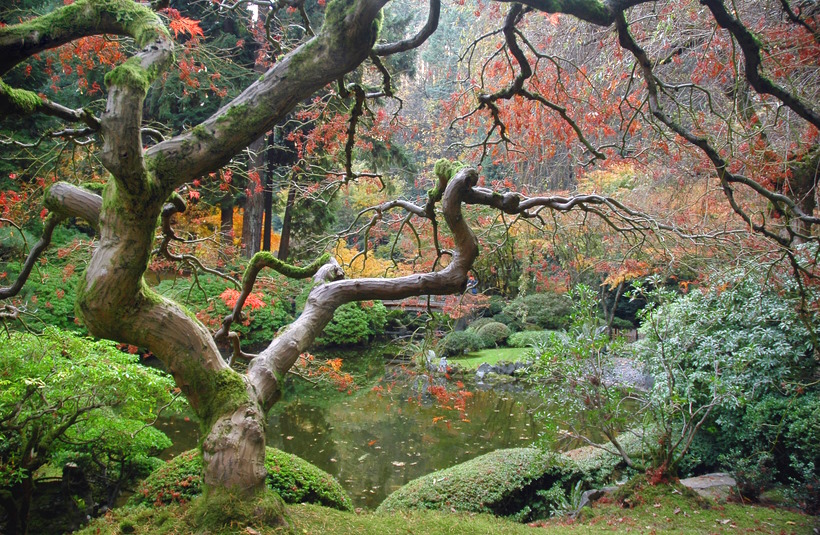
471,285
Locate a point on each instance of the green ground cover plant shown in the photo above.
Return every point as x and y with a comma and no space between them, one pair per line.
661,510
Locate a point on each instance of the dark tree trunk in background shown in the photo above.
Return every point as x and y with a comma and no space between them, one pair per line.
226,220
254,204
267,200
284,242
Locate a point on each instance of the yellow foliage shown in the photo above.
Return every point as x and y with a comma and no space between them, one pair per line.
608,181
357,266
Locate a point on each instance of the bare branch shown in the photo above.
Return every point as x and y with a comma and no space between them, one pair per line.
417,40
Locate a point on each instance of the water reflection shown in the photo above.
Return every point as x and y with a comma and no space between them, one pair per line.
379,439
388,433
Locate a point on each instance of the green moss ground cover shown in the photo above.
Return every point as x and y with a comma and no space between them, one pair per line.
657,514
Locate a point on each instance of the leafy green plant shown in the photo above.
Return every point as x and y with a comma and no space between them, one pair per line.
479,323
527,338
542,310
459,342
735,363
580,361
63,397
355,323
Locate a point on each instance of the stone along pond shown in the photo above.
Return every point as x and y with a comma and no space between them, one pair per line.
398,424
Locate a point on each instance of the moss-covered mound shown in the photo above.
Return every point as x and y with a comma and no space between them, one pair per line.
294,479
523,483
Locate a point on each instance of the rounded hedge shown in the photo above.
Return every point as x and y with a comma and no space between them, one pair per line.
293,478
460,342
523,484
493,333
545,310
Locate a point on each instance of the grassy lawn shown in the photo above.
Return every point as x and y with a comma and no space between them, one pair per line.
471,361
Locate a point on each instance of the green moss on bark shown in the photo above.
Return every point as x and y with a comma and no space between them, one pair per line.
266,259
130,74
227,393
18,101
84,16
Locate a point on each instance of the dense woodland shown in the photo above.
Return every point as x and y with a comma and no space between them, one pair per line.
226,186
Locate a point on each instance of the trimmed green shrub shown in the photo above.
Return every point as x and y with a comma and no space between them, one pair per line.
493,333
507,320
293,478
497,304
546,310
479,323
459,342
528,338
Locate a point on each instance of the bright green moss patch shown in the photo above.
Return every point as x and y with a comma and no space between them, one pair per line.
226,510
601,519
266,259
228,393
129,74
18,101
293,478
446,169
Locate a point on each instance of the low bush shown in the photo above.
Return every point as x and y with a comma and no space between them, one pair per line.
294,479
493,333
459,342
528,338
544,310
355,323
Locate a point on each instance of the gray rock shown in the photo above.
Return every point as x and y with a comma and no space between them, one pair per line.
483,370
718,486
